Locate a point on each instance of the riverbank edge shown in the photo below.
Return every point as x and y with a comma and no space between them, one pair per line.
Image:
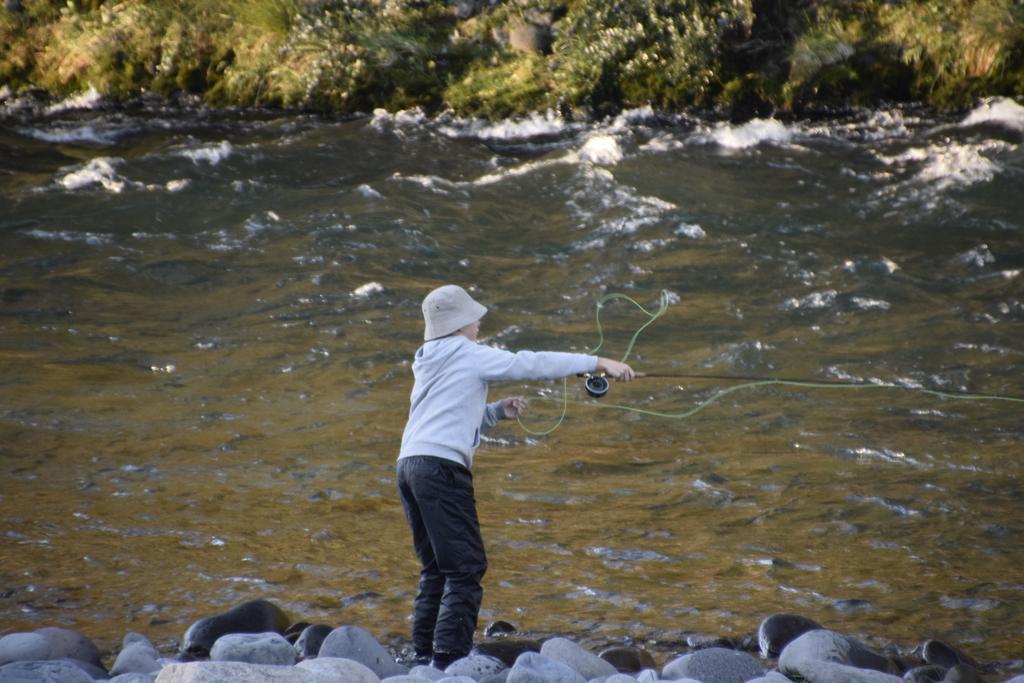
735,58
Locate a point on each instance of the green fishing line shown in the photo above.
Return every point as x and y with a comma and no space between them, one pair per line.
663,306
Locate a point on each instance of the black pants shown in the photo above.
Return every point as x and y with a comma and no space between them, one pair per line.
437,495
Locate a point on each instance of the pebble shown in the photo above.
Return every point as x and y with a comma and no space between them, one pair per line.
714,665
586,664
353,642
778,630
254,648
533,667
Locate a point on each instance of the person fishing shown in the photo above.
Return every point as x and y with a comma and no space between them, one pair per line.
448,412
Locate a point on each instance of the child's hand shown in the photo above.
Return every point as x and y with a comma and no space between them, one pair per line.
615,369
513,407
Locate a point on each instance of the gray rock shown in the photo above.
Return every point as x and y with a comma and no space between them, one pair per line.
584,663
648,676
311,639
828,646
427,672
339,669
619,678
254,616
135,678
1016,679
533,667
220,672
714,665
500,677
457,679
962,673
475,667
778,630
23,647
628,658
68,643
253,648
353,642
137,657
771,677
830,672
52,671
404,678
925,674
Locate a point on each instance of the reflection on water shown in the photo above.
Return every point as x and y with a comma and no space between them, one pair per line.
207,322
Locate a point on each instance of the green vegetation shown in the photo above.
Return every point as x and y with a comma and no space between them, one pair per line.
739,57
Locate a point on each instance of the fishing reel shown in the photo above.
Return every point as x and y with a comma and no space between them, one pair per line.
595,384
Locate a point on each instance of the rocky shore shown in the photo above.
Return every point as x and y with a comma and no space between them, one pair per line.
256,642
501,58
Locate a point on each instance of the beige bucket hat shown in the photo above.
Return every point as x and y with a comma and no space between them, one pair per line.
447,309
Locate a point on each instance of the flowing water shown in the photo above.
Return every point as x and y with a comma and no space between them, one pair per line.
207,320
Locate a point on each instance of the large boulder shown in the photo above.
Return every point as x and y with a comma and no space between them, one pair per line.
779,630
339,669
255,616
219,672
51,671
23,647
584,663
533,667
253,648
828,646
714,665
353,642
829,672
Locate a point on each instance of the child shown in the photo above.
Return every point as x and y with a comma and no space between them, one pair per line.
448,412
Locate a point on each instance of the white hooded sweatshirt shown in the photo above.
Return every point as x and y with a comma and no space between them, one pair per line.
449,408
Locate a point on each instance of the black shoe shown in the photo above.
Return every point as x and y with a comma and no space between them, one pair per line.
442,660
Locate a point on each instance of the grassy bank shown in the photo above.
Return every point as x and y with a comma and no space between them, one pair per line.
501,58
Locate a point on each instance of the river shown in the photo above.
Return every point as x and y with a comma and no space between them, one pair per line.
207,321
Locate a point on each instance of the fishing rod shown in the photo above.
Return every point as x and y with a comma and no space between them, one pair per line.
596,384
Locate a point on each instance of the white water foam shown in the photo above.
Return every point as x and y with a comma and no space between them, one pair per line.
367,290
536,125
72,134
90,99
949,165
98,171
1001,111
368,192
90,238
407,117
603,150
750,134
211,154
691,230
812,301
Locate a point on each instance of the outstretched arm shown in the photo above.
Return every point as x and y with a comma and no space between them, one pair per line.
615,369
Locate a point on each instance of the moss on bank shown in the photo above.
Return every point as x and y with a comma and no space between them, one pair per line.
502,58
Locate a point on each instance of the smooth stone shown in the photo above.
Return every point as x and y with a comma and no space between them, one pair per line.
714,665
628,658
137,657
828,646
499,628
254,616
830,672
943,654
778,630
648,676
23,647
586,664
220,672
427,672
339,669
135,678
925,674
962,673
506,650
253,648
50,671
619,678
404,678
70,644
1016,679
533,667
500,677
475,667
456,679
771,677
311,639
353,642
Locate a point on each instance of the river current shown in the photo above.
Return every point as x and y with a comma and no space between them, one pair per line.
207,321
